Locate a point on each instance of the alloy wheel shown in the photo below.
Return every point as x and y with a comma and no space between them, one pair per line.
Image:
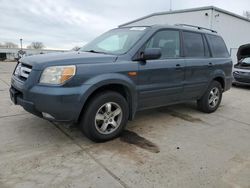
108,118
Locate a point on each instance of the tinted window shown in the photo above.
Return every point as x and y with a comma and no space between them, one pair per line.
193,45
218,46
168,41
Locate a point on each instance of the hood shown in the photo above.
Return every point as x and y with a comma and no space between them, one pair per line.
40,61
243,52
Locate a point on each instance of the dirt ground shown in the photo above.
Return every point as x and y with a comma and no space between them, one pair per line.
175,146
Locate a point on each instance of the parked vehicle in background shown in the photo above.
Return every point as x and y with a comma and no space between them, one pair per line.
125,70
241,72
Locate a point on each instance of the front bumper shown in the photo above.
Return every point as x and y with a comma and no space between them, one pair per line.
241,83
62,104
17,99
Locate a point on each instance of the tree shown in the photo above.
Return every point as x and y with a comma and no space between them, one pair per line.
76,48
9,45
36,45
246,14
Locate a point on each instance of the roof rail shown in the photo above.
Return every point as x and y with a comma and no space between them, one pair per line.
197,27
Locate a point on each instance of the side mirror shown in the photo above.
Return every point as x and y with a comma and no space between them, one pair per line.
150,54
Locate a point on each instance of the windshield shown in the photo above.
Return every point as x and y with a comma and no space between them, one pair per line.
117,41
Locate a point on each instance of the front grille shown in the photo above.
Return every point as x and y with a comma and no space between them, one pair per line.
22,71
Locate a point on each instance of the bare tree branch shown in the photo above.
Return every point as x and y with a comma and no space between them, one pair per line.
36,45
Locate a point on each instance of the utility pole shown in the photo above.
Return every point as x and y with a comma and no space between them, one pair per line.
170,5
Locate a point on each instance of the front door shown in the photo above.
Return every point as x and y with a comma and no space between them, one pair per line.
161,81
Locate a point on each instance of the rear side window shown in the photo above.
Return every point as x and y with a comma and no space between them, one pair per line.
193,44
218,46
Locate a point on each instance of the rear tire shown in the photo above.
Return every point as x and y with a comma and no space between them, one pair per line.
105,117
211,100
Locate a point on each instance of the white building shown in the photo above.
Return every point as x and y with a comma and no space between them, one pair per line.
233,28
12,53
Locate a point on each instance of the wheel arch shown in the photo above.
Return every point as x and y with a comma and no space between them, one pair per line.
219,76
221,80
123,86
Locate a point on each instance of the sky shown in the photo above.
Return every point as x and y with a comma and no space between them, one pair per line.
63,24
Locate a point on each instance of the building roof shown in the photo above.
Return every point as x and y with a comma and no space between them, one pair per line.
188,10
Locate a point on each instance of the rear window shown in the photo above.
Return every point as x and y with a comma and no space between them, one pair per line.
193,44
218,46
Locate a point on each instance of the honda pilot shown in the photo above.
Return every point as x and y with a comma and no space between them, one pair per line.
125,70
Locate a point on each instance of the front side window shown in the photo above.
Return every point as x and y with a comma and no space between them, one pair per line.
218,46
168,41
193,44
117,41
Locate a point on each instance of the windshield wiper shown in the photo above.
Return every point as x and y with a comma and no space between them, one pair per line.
93,51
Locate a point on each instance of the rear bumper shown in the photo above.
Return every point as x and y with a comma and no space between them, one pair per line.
62,104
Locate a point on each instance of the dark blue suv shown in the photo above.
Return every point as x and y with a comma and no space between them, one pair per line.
125,70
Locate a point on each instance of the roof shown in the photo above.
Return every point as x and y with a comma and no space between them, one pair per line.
188,10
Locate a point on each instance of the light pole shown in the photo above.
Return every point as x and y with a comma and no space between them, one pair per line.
170,5
21,42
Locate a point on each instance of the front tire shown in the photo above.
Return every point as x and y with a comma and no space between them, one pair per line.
211,100
105,117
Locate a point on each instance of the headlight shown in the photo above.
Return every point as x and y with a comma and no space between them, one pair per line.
57,74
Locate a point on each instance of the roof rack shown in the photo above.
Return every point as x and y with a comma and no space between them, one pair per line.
197,27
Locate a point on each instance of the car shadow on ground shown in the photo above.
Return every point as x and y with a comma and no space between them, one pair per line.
135,132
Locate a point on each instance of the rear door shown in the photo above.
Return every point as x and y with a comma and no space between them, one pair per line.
161,80
221,61
198,65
